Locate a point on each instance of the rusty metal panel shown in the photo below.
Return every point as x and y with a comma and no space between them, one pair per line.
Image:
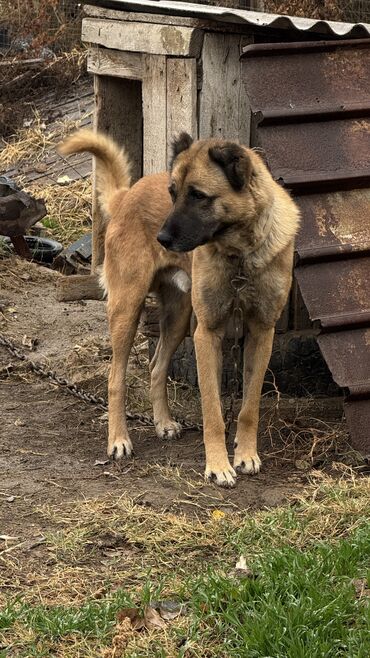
357,415
334,224
311,118
336,75
337,296
335,148
348,356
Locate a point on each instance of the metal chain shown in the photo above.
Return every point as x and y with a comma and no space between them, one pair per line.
42,371
238,283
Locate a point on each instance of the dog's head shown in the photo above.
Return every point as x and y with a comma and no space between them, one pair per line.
209,183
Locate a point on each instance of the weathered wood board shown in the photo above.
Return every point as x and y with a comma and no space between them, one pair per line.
143,37
223,104
102,61
181,98
118,113
155,114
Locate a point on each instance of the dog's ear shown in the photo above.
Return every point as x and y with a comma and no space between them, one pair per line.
235,163
181,143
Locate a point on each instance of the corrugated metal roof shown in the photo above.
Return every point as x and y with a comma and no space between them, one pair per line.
253,18
311,116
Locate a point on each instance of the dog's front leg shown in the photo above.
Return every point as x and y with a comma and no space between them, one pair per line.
257,352
209,363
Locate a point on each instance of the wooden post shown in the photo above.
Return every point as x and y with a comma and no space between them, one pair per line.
223,105
155,113
118,112
181,98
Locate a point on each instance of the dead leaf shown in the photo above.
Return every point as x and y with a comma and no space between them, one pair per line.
153,619
134,615
150,619
241,563
243,571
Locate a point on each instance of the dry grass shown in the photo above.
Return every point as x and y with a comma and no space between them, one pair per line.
35,141
96,546
69,209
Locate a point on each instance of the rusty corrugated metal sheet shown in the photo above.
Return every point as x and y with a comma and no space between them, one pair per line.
311,117
255,19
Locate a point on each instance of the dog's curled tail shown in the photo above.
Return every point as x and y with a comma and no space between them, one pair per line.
112,167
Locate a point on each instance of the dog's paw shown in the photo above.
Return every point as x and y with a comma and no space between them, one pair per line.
247,462
169,429
119,448
223,475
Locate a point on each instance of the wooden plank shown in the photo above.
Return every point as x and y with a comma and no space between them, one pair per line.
78,286
118,112
181,98
155,114
209,24
101,61
223,105
143,37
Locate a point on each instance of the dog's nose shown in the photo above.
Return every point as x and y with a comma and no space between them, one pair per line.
164,239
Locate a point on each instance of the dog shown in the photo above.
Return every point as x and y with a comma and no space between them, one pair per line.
186,235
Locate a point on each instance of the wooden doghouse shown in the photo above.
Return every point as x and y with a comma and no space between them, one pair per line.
161,67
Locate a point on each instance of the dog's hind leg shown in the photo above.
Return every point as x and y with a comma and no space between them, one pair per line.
174,322
124,307
257,354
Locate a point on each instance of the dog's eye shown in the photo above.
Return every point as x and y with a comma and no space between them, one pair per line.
173,193
197,194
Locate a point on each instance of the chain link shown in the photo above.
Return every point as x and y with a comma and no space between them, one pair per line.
42,371
238,283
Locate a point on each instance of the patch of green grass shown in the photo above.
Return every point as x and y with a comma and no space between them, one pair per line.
302,605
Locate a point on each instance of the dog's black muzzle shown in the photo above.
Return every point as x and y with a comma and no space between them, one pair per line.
186,231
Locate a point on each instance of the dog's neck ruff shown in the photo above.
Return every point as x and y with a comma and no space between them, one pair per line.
243,250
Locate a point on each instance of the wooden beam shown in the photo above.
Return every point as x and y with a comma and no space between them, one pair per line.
118,112
223,104
209,24
181,98
78,286
155,113
102,61
143,37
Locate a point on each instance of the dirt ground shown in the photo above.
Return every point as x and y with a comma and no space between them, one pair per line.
50,442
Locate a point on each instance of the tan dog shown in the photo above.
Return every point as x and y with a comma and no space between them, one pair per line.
225,206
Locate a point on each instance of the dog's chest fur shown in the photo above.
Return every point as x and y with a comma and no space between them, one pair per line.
259,293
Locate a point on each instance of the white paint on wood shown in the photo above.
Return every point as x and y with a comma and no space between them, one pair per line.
143,37
102,61
223,105
181,98
154,114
